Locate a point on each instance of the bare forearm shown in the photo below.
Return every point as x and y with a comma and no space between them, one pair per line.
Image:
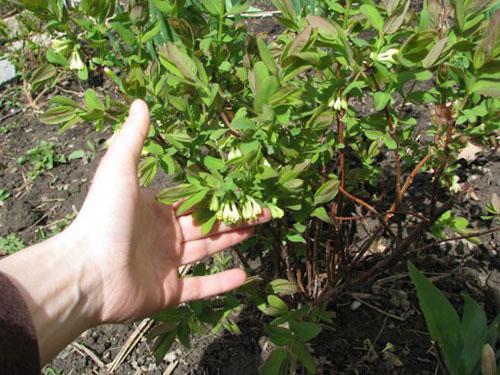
57,287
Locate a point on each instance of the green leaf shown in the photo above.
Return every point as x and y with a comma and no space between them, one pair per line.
265,86
154,31
304,356
296,238
381,99
163,6
43,73
181,61
183,333
473,329
305,331
173,194
441,318
62,100
93,102
374,134
282,286
460,13
213,164
356,85
266,56
394,22
276,363
390,142
147,170
434,53
320,213
277,306
486,88
324,27
164,345
373,16
77,154
192,201
55,58
278,335
207,226
238,8
241,121
58,115
214,7
124,32
326,192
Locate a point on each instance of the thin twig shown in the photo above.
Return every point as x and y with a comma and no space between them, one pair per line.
242,259
9,115
457,238
83,350
380,310
130,344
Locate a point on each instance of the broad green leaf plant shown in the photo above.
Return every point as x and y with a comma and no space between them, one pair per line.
467,346
318,123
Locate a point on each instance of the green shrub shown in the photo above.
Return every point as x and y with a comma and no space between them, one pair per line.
319,123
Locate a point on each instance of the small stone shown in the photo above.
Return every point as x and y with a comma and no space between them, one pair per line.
170,357
7,71
355,305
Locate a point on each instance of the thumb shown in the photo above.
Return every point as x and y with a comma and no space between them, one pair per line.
127,146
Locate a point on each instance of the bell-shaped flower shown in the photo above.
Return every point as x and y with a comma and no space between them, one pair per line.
234,153
387,56
76,62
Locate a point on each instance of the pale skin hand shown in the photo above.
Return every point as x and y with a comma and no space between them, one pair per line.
119,259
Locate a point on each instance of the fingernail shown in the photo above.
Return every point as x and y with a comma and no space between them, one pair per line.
135,108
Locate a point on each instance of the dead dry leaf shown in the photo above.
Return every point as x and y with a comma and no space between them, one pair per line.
469,152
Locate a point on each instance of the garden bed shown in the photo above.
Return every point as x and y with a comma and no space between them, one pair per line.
378,329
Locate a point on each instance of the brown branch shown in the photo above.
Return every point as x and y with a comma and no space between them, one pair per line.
407,184
27,93
358,200
317,232
288,264
158,138
242,259
440,112
328,260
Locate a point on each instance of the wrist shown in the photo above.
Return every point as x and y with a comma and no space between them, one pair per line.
59,287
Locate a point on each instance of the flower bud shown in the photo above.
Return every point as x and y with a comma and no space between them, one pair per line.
214,203
338,103
76,62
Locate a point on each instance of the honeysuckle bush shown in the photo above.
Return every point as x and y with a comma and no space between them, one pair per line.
316,123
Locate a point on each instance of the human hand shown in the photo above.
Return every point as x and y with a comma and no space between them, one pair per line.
119,259
135,244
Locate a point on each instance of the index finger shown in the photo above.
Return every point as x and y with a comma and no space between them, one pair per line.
191,230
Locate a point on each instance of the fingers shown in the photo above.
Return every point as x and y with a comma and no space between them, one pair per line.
126,148
199,249
199,287
192,231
